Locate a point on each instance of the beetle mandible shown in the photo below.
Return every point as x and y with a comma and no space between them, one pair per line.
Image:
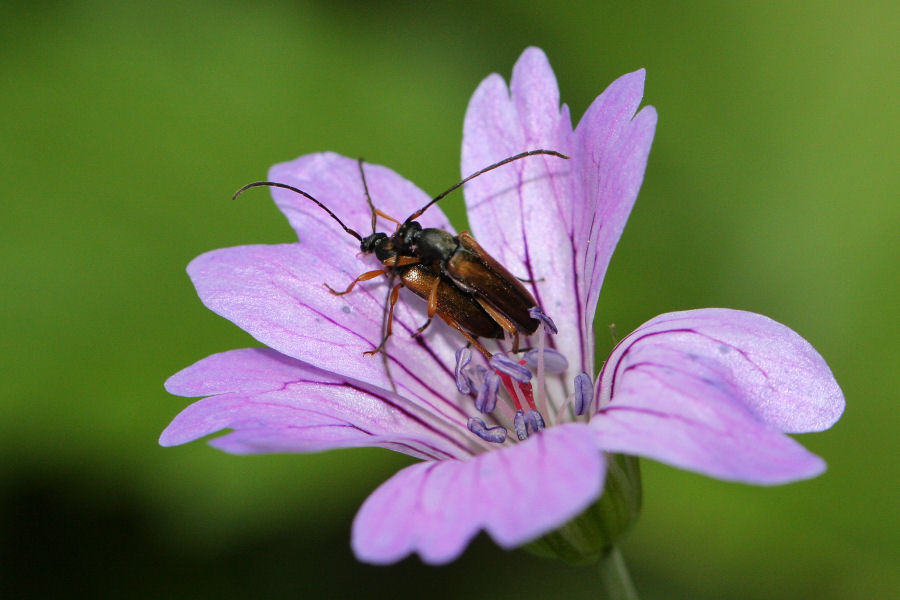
461,283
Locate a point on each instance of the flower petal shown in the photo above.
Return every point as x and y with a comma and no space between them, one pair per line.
552,222
609,155
276,294
711,390
521,213
336,182
277,404
516,494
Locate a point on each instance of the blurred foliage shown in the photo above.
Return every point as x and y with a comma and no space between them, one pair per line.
124,128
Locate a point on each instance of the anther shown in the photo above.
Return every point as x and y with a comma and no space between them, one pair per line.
534,422
463,356
486,399
554,362
536,313
519,424
527,422
584,393
518,372
495,435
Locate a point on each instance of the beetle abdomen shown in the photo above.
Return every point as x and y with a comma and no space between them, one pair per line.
454,306
476,271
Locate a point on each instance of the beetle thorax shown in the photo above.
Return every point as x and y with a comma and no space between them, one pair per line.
435,245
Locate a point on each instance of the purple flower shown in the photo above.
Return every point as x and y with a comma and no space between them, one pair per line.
710,390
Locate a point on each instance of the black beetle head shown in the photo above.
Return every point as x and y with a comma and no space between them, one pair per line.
371,243
380,245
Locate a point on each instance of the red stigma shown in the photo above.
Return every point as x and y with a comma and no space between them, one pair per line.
524,389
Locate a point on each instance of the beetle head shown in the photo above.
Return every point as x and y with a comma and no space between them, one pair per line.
379,244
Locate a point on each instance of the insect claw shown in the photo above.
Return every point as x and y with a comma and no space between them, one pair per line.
422,328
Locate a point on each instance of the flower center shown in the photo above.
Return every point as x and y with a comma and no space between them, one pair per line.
518,410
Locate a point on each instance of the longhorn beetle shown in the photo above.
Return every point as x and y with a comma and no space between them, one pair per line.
460,281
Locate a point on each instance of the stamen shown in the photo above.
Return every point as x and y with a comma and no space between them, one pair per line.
549,326
463,357
541,375
534,422
486,400
519,424
584,393
518,372
495,435
554,362
527,422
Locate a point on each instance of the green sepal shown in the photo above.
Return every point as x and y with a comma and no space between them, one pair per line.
590,535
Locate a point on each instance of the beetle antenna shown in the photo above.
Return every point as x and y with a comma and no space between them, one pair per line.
362,173
302,193
510,159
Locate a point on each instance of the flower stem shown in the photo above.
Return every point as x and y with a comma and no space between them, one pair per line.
614,574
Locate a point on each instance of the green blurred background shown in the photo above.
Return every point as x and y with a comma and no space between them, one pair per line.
772,186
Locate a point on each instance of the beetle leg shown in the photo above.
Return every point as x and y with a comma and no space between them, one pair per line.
432,298
471,339
402,261
395,293
364,277
423,327
432,306
515,342
386,216
474,342
501,320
